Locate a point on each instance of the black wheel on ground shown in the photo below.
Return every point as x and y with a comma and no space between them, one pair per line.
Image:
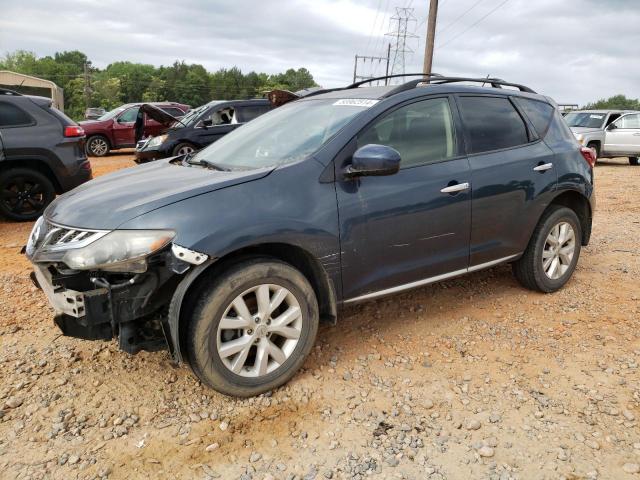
251,327
596,147
24,194
183,149
98,146
633,160
553,251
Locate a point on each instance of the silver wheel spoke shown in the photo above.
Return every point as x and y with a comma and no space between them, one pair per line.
552,268
234,323
262,359
277,299
234,346
241,309
240,359
276,353
286,318
286,332
262,294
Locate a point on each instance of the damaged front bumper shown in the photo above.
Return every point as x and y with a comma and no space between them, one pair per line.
132,307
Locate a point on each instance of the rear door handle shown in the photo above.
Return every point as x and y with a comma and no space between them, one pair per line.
543,168
458,187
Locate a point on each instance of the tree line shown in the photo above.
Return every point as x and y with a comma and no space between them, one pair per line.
126,82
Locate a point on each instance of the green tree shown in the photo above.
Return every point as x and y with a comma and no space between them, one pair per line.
617,102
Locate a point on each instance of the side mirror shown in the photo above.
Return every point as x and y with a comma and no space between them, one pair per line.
612,126
207,122
373,161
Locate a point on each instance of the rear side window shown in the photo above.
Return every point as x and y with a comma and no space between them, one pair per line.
248,113
12,116
539,113
559,132
61,116
492,123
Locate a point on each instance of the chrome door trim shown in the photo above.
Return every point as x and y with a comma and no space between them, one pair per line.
427,281
544,167
458,187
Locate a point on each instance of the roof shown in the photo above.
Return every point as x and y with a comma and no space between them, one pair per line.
612,110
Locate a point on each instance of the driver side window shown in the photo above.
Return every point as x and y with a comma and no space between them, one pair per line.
128,116
422,132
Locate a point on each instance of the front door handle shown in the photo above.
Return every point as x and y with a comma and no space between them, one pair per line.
636,134
543,168
458,187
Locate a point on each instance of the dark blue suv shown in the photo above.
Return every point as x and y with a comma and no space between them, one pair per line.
231,256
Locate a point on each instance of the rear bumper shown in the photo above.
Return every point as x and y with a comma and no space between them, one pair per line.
82,174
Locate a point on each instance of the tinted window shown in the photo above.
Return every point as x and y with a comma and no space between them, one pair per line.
422,132
539,113
629,121
559,133
248,113
492,123
129,116
12,116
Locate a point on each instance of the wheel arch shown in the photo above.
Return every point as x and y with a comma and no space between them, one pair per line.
34,164
577,202
191,285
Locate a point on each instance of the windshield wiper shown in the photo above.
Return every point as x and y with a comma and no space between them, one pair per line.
213,166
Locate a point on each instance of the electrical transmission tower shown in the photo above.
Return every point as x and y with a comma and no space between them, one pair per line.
399,49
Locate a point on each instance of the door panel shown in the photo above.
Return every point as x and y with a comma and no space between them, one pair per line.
625,138
402,228
124,131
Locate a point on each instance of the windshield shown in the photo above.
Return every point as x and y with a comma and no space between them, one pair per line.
284,135
585,119
112,113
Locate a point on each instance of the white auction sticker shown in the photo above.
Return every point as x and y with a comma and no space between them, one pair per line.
357,102
596,116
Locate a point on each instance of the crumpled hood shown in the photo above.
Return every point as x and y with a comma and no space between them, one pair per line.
110,200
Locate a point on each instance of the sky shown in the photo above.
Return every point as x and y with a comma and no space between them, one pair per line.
574,51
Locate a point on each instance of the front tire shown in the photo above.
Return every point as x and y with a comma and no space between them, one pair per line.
24,194
553,251
183,149
98,146
252,327
633,161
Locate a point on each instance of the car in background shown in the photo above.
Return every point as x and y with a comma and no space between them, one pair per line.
200,127
42,153
611,133
94,113
116,129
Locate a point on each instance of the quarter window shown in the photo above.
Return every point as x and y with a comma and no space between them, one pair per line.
422,132
539,113
12,116
492,123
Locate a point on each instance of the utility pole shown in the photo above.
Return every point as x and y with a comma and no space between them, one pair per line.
431,37
364,58
401,21
87,86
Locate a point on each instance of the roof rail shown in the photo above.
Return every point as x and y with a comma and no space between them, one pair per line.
6,91
396,75
439,80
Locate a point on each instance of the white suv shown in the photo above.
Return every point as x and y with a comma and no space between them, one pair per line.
611,133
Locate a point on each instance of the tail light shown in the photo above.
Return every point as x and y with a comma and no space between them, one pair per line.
589,155
73,131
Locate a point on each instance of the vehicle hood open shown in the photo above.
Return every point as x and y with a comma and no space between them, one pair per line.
108,201
158,115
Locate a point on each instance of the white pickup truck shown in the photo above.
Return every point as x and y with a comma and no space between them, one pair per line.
612,133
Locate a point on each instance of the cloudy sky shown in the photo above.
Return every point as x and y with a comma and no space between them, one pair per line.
573,50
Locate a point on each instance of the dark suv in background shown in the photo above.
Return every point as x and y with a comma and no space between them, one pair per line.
200,127
41,153
116,129
231,256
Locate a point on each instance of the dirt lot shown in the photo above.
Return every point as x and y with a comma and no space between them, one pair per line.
470,378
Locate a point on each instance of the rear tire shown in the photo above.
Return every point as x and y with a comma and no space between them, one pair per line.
633,160
183,149
252,327
98,146
24,194
536,269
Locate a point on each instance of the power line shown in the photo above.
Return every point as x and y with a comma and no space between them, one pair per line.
373,27
461,16
470,26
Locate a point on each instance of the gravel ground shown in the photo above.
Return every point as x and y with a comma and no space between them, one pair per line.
470,378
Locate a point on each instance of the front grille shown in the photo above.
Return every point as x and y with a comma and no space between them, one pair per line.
59,237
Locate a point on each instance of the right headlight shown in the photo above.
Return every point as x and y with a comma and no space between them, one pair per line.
119,251
156,141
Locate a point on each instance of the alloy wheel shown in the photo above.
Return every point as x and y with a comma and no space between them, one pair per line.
98,147
259,330
184,150
559,249
23,196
